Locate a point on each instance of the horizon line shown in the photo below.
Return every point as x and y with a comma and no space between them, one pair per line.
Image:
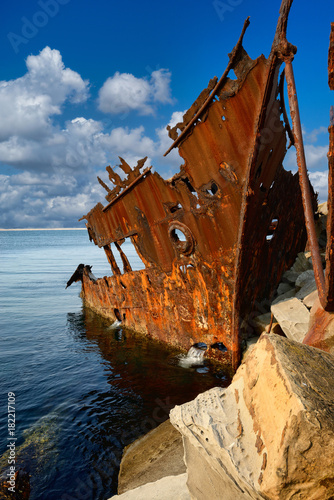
45,229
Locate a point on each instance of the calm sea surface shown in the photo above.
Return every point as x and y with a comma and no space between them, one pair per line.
83,391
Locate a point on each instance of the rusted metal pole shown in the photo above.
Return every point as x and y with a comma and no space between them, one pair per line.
330,217
304,182
282,23
329,305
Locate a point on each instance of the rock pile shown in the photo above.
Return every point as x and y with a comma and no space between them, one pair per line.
270,434
296,308
296,295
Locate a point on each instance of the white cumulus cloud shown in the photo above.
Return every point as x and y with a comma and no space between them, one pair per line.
319,181
316,156
27,103
124,92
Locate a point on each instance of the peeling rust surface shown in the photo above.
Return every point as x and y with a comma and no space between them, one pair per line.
329,306
331,59
216,237
316,336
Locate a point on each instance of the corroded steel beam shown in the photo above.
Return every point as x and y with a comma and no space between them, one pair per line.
304,182
329,299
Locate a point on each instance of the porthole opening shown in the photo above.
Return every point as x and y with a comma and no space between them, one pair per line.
181,238
178,235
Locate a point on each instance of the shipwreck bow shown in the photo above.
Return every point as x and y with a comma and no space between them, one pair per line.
214,239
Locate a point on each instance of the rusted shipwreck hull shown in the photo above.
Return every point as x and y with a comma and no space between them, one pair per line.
216,238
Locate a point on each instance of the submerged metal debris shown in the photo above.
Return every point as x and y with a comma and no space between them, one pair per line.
215,238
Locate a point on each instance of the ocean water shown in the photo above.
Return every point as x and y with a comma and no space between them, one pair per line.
83,391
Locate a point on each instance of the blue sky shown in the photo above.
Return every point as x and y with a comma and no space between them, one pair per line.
82,82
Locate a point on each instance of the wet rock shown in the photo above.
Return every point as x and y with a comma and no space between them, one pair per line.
293,317
270,434
151,457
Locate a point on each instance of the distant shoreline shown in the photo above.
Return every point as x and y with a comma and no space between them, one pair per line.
48,229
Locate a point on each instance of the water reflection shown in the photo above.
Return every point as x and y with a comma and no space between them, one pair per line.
119,385
146,367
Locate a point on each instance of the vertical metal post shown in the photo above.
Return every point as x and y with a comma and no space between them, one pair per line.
304,182
329,306
330,218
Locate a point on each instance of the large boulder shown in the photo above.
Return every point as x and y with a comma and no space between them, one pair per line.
151,457
270,434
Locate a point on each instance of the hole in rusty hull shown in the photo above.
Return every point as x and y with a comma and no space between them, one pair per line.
213,190
117,314
272,228
190,186
175,208
200,345
258,172
220,346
